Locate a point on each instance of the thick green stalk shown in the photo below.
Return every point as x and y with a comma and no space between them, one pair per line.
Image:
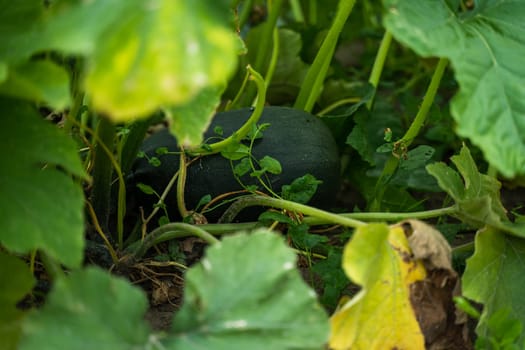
77,93
245,12
264,47
313,82
428,100
256,200
379,63
312,12
273,59
297,11
175,230
385,216
247,127
102,171
132,142
401,146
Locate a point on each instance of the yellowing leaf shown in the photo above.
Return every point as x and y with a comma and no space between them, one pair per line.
380,316
164,53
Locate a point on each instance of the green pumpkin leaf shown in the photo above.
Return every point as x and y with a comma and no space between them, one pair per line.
477,196
89,309
69,26
189,121
498,258
163,54
271,165
40,81
486,47
16,281
247,294
41,207
140,55
301,190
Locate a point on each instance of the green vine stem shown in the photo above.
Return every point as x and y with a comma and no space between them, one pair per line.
379,63
263,201
264,45
428,100
274,57
132,141
387,216
77,93
121,204
181,184
312,12
245,12
401,146
339,103
166,232
246,128
161,200
102,171
313,82
297,11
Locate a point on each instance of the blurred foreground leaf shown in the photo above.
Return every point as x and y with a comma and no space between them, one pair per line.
16,282
246,293
41,207
89,309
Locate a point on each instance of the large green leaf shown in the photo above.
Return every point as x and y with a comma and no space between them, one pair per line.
494,276
40,81
89,310
486,47
69,26
41,206
16,281
247,294
165,52
139,54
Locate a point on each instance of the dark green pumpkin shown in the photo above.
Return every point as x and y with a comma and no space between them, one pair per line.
298,140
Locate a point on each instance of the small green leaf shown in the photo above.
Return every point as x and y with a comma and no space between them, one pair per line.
242,168
204,200
154,161
271,165
89,309
163,220
16,281
301,190
303,239
233,301
218,130
161,150
41,206
235,151
39,81
147,189
334,279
